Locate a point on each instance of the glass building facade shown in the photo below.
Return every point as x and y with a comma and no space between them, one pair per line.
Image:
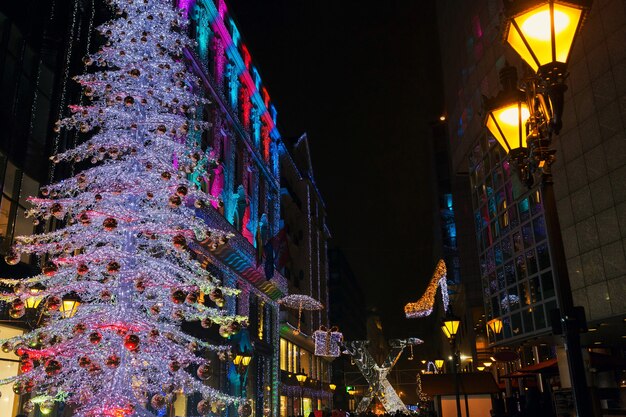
516,272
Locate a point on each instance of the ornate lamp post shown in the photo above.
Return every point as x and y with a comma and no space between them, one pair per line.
450,327
542,33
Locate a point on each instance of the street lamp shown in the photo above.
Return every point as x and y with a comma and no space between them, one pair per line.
439,364
301,377
241,362
542,33
495,325
242,359
69,305
450,327
332,387
33,301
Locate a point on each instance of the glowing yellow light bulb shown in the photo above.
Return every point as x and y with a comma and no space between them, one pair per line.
537,25
510,116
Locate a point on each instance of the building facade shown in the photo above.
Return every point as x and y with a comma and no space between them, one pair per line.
304,263
518,283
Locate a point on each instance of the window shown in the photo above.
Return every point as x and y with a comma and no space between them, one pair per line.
16,188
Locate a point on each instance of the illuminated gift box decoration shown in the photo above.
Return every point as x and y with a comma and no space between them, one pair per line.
328,342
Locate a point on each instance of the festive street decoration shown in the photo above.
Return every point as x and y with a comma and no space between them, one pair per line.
122,246
424,306
300,302
421,396
376,375
328,342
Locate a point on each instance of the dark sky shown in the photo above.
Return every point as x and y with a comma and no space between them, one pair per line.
362,79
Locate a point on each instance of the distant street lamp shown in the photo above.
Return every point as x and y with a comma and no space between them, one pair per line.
450,327
332,387
439,364
495,325
542,33
301,377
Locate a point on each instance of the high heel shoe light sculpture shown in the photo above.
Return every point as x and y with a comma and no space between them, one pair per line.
424,306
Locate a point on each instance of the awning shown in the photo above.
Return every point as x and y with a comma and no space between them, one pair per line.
470,383
541,367
537,368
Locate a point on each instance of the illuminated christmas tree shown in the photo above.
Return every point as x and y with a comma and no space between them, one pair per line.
122,248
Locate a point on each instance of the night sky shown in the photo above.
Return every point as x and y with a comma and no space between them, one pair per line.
362,79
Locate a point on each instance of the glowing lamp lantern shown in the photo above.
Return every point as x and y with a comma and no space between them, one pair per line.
495,325
301,377
543,32
33,301
351,391
507,113
69,306
480,368
487,364
242,360
450,326
332,387
439,363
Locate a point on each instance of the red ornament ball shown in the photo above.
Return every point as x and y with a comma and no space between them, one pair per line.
23,387
157,401
112,361
204,371
113,267
109,224
182,190
174,366
12,258
95,338
84,218
140,285
50,269
80,328
204,407
244,410
84,362
26,365
53,303
16,313
175,201
131,342
179,242
52,367
82,269
178,296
